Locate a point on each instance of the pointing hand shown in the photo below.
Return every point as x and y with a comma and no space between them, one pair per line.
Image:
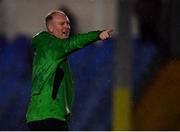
105,34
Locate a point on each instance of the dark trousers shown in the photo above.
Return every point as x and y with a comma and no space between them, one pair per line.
50,124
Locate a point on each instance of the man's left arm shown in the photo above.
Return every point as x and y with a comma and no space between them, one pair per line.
79,41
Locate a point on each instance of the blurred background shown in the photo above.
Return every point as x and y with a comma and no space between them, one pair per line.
129,82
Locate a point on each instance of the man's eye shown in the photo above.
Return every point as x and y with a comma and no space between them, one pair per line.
62,23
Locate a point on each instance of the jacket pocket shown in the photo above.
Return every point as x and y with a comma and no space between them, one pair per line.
57,82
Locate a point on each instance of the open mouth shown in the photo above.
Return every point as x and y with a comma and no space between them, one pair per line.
66,33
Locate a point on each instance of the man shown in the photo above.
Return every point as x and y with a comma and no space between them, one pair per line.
52,83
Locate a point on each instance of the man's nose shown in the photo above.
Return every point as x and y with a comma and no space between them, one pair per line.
67,25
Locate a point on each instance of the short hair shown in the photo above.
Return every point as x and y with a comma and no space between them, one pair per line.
49,16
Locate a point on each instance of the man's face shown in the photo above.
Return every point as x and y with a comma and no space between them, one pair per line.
60,26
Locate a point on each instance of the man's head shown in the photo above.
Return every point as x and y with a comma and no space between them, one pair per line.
58,24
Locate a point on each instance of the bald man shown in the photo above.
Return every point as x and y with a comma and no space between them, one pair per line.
52,83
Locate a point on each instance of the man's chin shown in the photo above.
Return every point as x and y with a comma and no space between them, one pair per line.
64,37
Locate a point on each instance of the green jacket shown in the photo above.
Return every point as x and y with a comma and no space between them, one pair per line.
52,84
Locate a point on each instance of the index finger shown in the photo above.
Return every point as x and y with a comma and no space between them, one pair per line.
109,30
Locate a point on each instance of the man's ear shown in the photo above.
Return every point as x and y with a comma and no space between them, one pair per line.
50,27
